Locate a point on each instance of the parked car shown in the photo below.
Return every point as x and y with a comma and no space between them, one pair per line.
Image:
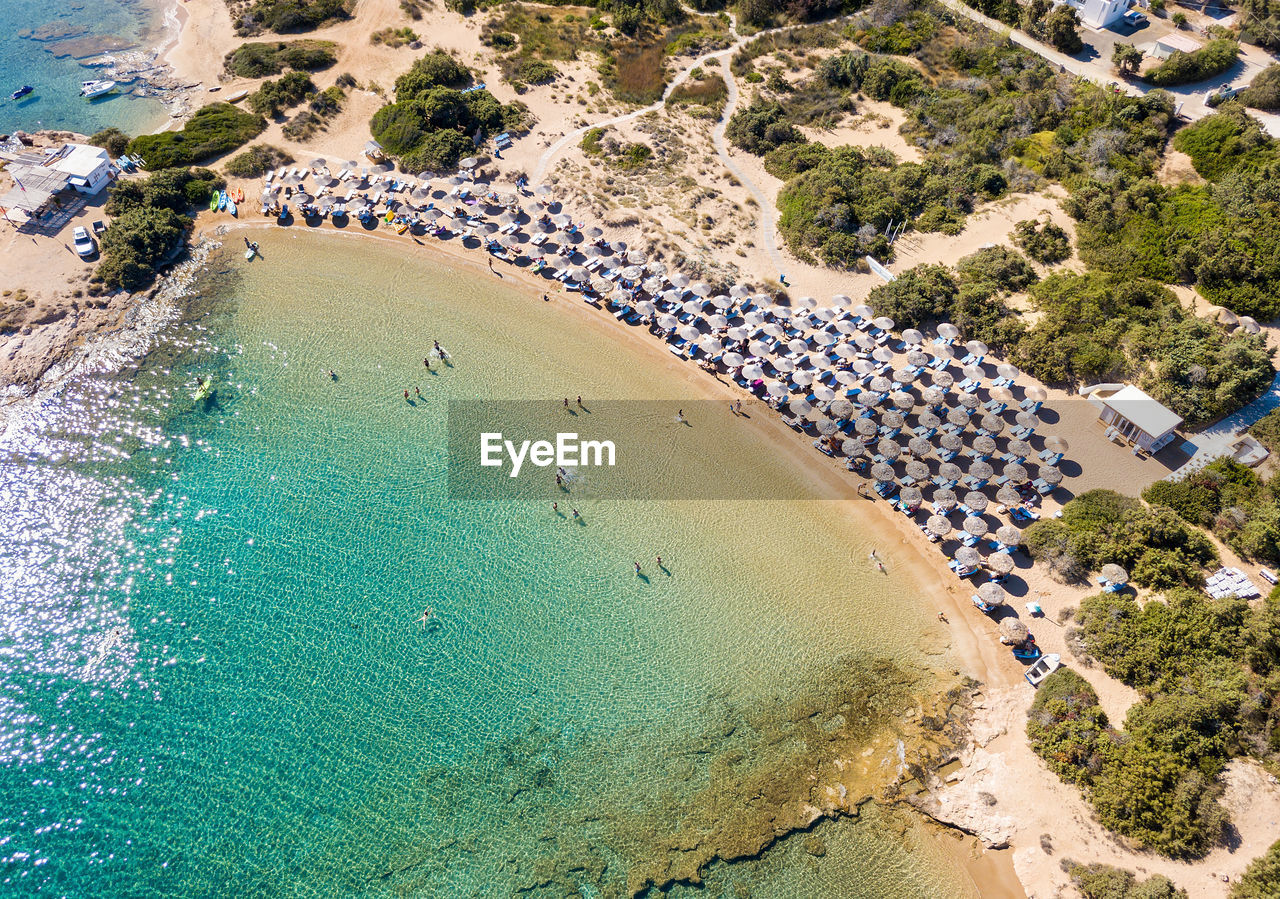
84,244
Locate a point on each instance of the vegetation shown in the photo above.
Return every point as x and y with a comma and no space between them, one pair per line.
1156,547
1213,58
1099,881
1060,30
1232,501
1267,430
287,16
273,96
533,39
257,160
214,129
1127,58
1260,23
707,92
431,123
258,60
147,221
1264,91
1261,878
624,156
1044,242
320,108
1207,673
113,140
394,37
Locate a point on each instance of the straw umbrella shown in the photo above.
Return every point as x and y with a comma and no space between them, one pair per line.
863,311
881,385
892,419
1007,496
981,471
864,342
917,357
984,445
1013,632
991,593
841,408
944,498
882,354
992,424
1016,473
917,470
1008,535
949,471
884,323
1114,573
1000,563
976,500
1002,394
951,442
975,526
1005,370
948,331
888,448
1051,475
864,427
969,401
911,496
904,376
1037,394
920,447
942,379
1020,448
913,336
977,347
957,417
852,448
824,393
802,378
968,557
1055,443
882,472
938,525
930,421
1028,419
932,396
826,427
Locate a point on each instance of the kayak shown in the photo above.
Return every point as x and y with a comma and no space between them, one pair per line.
222,200
231,206
203,391
390,217
213,202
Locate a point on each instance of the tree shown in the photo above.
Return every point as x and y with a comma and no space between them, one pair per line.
1060,30
1261,878
1127,58
113,140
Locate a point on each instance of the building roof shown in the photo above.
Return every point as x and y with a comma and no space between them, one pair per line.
82,160
1143,411
1180,42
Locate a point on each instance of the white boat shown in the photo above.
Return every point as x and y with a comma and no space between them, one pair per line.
1043,667
91,89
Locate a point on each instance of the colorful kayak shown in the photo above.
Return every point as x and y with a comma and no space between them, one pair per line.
203,391
222,200
390,217
213,202
402,227
231,206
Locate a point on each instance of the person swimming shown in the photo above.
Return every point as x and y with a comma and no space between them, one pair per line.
427,614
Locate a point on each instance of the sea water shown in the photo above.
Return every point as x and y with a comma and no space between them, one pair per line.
45,45
214,679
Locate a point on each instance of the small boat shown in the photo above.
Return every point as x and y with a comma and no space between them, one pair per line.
1028,652
213,201
91,89
239,195
231,206
222,200
1043,667
21,92
236,97
204,390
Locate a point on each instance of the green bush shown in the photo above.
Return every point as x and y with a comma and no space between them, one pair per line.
285,16
1066,727
535,71
1044,242
1267,430
1227,141
1213,58
1262,879
214,129
1264,91
273,96
113,140
761,127
394,37
1099,881
257,160
258,60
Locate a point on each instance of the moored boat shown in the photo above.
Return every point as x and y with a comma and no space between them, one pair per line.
21,92
91,89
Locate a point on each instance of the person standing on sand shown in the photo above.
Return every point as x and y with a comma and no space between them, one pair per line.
406,395
637,564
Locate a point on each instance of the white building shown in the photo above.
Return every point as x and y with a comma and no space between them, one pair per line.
1165,47
88,169
1133,416
1102,13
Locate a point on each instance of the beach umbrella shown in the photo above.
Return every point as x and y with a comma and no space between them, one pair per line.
701,289
1007,496
882,472
944,498
824,314
942,379
981,471
865,343
992,424
865,427
758,348
667,322
977,347
870,398
888,448
802,378
904,376
842,408
509,218
1037,394
1013,632
824,338
984,445
913,336
779,389
1114,573
968,557
932,396
976,500
1002,394
468,163
733,360
846,352
917,357
991,593
543,227
826,427
753,371
738,291
688,332
738,332
892,419
911,496
919,446
1008,535
974,372
938,525
846,326
944,351
796,345
863,311
421,193
580,274
487,227
949,471
635,257
717,321
722,302
823,393
841,301
882,354
646,307
917,470
931,421
957,417
632,272
975,526
1005,370
884,323
1016,473
1000,563
805,302
880,384
680,280
1051,475
382,168
969,401
511,241
318,163
1020,448
903,400
561,220
948,331
1028,420
782,363
863,366
591,251
603,286
951,442
851,448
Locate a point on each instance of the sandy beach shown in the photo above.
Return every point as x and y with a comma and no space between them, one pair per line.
1030,802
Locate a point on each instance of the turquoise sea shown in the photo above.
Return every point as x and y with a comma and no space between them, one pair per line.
43,44
214,680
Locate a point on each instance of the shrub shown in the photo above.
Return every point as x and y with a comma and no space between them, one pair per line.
1066,727
1267,430
1044,242
1261,877
535,71
214,129
394,37
257,160
1099,881
761,127
286,16
113,140
273,96
1264,91
1213,58
1060,30
258,60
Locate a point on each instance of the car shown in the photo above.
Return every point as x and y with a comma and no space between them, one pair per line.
85,247
1134,18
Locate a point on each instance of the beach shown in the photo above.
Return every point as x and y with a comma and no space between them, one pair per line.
362,303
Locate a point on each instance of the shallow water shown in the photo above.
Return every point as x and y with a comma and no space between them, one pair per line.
50,61
212,674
